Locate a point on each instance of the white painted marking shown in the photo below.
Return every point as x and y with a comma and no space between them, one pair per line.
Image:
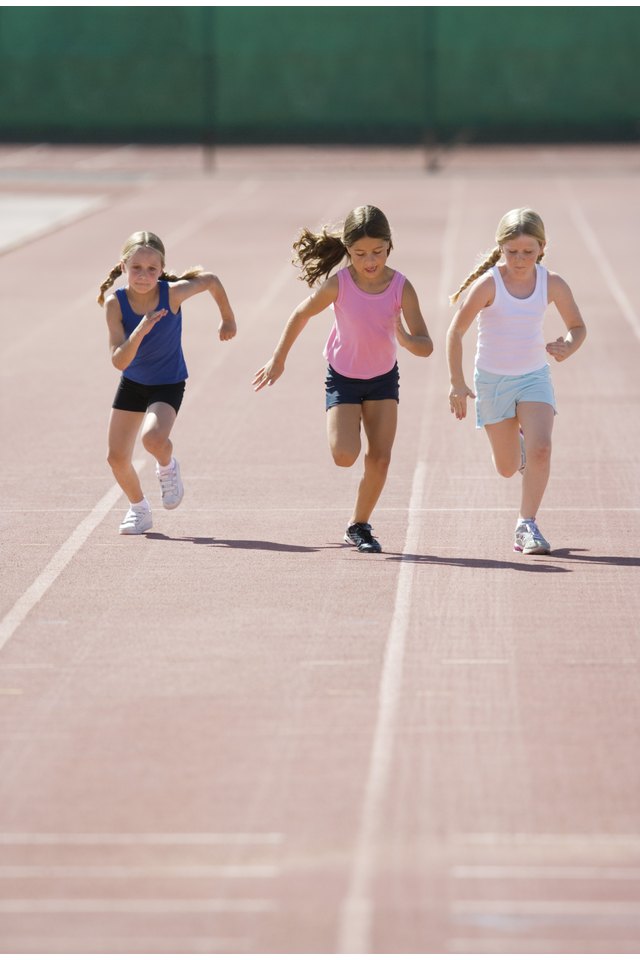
355,920
147,839
602,261
545,873
195,872
584,840
550,908
58,563
357,910
136,906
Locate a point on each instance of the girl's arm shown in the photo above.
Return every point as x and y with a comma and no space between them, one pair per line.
560,294
417,341
480,295
183,289
319,300
124,348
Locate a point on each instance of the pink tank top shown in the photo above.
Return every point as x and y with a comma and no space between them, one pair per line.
362,342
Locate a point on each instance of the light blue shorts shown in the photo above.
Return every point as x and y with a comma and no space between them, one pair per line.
497,396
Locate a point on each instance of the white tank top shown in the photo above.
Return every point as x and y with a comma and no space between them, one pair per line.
510,334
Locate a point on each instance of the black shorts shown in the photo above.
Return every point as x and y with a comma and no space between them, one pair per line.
341,389
138,397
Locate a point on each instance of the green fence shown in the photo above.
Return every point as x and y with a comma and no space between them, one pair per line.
319,74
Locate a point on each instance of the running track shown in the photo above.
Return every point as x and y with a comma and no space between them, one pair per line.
238,735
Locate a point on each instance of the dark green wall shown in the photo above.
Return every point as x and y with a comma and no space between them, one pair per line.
316,74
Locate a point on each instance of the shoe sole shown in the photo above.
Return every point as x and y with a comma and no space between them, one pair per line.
134,533
172,506
536,551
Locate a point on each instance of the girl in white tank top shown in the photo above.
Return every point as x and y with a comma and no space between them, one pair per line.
508,295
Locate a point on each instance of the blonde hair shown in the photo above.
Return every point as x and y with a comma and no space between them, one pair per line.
515,223
143,238
319,253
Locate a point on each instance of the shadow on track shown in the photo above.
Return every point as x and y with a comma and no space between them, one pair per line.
238,544
576,553
533,564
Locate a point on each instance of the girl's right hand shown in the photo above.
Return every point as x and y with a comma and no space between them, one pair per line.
267,375
150,319
458,400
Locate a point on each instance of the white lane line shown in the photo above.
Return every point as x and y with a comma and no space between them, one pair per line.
355,918
573,508
127,839
135,906
357,910
549,908
195,872
545,873
599,255
586,841
58,563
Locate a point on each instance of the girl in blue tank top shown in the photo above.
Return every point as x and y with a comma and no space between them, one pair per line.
144,319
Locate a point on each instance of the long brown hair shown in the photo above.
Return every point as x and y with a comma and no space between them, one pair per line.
319,253
143,238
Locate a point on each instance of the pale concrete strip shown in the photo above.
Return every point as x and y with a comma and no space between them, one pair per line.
58,563
26,217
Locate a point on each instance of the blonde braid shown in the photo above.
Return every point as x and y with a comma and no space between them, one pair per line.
187,275
490,261
113,276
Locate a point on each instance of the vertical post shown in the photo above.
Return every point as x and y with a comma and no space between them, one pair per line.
208,87
429,119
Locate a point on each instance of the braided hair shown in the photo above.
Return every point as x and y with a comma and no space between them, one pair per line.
143,238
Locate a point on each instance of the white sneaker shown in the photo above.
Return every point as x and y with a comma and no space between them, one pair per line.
171,486
136,521
528,539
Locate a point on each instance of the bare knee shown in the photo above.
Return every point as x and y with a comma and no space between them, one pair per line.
378,462
506,469
153,440
117,460
344,458
539,452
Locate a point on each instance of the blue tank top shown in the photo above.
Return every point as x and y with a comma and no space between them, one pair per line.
159,358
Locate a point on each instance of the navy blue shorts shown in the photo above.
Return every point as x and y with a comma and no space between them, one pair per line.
341,389
138,397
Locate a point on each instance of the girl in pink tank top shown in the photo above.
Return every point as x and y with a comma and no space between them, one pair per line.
515,403
369,301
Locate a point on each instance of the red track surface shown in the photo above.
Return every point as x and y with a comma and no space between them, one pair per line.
238,735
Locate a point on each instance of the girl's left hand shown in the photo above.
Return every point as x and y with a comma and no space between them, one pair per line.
559,349
402,336
227,329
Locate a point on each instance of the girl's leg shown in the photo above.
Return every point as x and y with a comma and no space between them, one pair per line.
343,433
380,419
536,420
504,438
123,430
158,423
